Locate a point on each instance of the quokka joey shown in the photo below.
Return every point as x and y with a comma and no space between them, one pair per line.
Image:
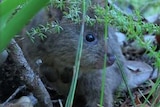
58,53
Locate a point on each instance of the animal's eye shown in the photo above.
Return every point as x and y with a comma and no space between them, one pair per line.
90,37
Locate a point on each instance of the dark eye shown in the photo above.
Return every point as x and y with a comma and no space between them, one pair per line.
90,37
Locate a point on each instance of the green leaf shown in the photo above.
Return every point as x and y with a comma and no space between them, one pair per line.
15,24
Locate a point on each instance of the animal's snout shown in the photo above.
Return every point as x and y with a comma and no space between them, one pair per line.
110,59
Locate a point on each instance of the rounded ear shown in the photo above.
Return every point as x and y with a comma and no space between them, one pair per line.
54,14
46,15
98,2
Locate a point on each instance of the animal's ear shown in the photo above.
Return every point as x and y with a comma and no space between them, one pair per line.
54,14
92,4
46,15
98,2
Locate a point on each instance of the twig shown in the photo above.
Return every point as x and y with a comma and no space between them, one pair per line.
31,80
60,103
14,94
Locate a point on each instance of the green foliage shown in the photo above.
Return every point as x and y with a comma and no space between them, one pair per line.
41,30
12,20
58,4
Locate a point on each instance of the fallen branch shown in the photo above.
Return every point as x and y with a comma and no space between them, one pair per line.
31,80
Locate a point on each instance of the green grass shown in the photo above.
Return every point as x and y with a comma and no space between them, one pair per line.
70,97
105,58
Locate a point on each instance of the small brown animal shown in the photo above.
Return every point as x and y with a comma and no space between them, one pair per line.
58,53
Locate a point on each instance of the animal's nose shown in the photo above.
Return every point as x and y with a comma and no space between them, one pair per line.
110,59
